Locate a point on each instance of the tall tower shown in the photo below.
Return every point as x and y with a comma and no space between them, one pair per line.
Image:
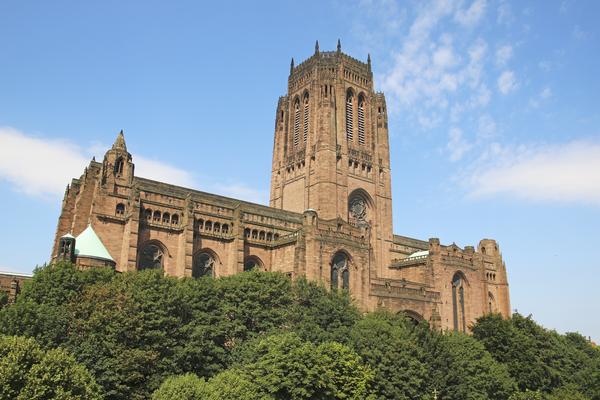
331,147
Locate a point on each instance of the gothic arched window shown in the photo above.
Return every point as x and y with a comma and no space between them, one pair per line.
175,219
340,272
361,119
458,302
306,117
252,263
166,218
119,166
349,114
203,265
296,123
151,257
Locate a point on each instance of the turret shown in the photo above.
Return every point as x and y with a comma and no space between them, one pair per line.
66,248
117,167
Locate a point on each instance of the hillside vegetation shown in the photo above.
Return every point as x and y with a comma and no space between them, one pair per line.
98,334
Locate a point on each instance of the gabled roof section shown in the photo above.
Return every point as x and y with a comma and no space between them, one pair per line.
88,244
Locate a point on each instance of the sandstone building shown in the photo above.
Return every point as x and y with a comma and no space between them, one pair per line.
329,218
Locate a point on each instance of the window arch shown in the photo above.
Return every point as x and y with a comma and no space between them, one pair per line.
225,228
166,218
412,316
349,114
340,271
175,219
306,117
204,264
208,226
151,256
120,209
491,303
296,122
217,227
148,213
361,119
119,164
156,217
359,206
458,302
253,263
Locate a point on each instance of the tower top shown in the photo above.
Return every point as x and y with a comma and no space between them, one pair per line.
119,143
330,59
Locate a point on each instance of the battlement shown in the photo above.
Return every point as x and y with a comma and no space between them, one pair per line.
330,64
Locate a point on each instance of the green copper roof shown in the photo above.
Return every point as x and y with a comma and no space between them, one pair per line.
88,244
422,253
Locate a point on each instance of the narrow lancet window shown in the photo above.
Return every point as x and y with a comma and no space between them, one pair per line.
361,120
296,123
349,115
306,117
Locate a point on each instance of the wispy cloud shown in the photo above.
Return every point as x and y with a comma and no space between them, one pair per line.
42,167
457,145
472,15
503,55
566,173
507,82
435,75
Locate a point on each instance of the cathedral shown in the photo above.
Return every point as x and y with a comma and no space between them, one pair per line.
329,217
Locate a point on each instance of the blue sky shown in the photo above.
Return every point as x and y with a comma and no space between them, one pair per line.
494,117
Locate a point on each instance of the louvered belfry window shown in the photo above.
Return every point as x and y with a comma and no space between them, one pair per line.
296,123
349,116
361,121
306,118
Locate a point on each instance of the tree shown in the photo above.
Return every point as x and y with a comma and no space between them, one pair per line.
540,359
461,369
320,315
388,345
183,387
29,373
286,367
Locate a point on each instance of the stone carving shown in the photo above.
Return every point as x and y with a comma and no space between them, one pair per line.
358,210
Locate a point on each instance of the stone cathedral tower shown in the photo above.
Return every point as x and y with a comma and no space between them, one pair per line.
329,220
331,151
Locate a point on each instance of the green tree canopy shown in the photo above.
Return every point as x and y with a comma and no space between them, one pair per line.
29,373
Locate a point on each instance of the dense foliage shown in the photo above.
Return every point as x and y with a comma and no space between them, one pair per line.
29,373
261,336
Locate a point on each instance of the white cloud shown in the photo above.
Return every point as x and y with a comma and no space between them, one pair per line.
472,15
505,15
507,82
241,191
567,173
503,55
38,166
457,145
43,167
161,172
487,127
544,95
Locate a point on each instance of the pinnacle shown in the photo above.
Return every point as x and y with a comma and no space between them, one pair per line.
120,142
